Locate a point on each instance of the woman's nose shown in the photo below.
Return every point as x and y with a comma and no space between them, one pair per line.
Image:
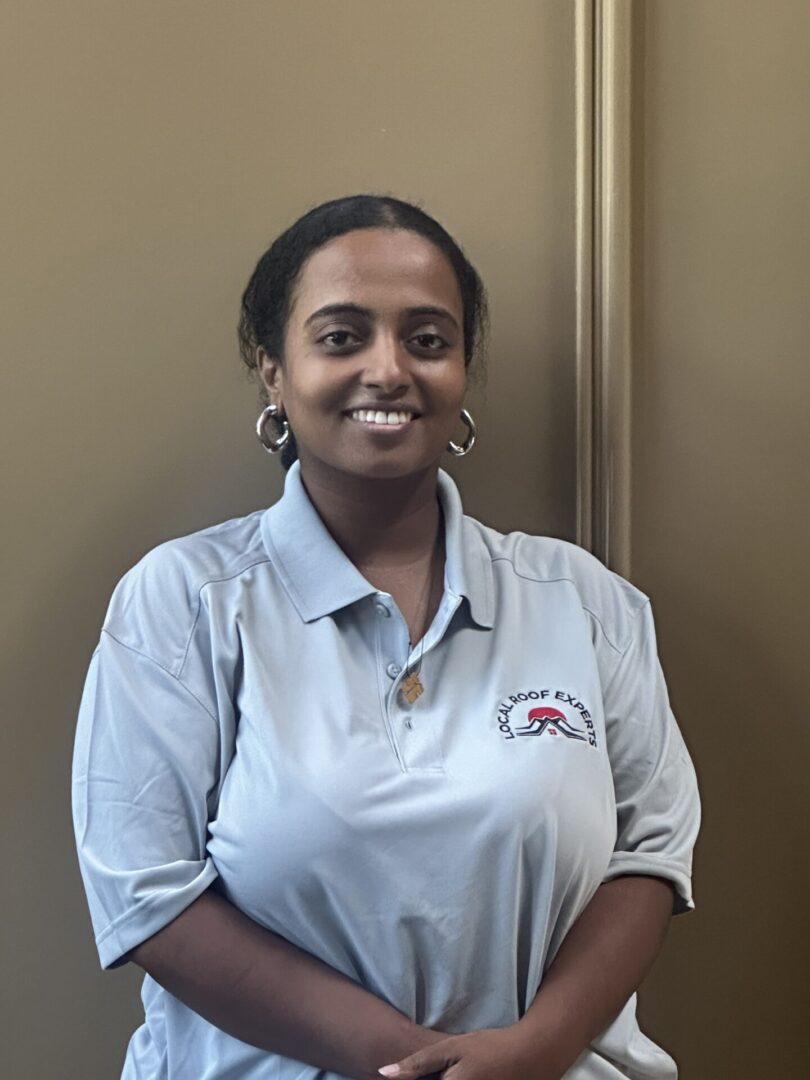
388,365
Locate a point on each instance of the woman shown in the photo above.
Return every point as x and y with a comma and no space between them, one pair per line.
359,781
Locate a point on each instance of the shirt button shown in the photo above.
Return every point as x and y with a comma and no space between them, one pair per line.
393,670
383,610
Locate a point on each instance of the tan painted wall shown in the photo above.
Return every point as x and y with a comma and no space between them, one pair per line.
152,150
721,509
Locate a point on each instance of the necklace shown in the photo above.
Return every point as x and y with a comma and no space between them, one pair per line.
412,686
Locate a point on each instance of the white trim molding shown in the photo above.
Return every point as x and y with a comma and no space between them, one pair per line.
603,271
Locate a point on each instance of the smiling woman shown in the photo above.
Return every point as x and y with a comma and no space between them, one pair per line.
379,283
387,341
313,795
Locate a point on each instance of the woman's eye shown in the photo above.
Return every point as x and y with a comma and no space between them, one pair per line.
431,342
338,338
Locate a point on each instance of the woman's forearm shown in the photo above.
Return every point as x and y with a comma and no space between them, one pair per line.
602,961
263,990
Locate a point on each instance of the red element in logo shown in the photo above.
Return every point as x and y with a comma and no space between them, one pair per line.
546,713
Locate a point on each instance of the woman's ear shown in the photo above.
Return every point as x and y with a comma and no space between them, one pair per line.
270,372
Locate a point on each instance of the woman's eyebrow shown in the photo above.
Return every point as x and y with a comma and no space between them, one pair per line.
428,309
339,309
356,309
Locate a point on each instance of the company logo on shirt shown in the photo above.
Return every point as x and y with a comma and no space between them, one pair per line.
529,713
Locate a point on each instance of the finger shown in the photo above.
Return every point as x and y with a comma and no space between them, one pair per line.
432,1059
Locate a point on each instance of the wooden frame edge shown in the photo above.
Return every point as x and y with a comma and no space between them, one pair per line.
603,278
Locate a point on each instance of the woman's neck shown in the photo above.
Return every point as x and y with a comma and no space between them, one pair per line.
381,524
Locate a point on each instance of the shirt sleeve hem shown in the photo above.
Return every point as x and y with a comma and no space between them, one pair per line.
628,863
147,917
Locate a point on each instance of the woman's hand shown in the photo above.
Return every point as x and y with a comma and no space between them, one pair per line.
489,1054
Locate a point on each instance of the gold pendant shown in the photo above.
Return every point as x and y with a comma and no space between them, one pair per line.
412,688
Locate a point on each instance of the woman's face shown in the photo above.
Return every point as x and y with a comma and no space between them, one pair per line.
376,325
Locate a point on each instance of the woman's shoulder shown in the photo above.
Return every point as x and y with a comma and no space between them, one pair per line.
156,603
610,599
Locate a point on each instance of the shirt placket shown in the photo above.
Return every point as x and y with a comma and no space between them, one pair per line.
411,724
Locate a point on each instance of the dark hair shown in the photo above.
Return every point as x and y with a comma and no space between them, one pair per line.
267,300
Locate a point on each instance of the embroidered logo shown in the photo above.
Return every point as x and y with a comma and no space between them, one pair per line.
550,721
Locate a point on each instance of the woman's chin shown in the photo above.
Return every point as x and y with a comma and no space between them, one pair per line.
376,466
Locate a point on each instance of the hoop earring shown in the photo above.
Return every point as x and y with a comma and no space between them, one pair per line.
272,446
469,442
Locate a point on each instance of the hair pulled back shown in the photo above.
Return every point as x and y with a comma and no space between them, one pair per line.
267,299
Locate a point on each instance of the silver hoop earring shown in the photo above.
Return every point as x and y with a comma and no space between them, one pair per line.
272,446
469,442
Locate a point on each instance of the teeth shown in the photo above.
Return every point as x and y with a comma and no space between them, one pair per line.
370,416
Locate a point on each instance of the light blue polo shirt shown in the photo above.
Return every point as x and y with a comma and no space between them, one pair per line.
241,727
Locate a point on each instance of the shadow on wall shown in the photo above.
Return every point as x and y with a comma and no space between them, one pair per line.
741,716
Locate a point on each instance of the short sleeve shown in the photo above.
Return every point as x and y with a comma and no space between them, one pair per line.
146,761
657,800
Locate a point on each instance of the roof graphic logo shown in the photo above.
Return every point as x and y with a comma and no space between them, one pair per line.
544,718
547,721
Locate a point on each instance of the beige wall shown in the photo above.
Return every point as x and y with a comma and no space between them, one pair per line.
152,150
721,521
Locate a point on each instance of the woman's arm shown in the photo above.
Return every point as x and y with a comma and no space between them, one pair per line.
601,962
260,988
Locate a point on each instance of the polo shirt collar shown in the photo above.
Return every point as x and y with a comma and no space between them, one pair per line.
320,578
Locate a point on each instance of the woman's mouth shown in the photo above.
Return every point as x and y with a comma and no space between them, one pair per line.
382,418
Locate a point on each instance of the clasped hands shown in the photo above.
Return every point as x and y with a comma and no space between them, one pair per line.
489,1054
